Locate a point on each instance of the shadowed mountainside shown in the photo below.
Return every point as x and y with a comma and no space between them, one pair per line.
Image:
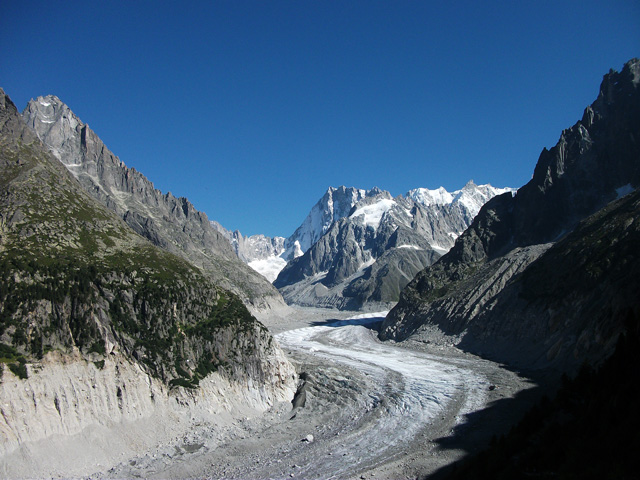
504,290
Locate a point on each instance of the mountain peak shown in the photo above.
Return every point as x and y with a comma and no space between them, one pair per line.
49,107
5,101
10,121
54,123
169,222
472,196
335,204
367,257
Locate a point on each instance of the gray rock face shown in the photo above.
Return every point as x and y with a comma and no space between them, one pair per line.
169,222
334,205
474,294
369,255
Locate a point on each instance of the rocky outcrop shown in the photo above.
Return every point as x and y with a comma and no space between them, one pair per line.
481,294
365,258
65,394
169,222
98,327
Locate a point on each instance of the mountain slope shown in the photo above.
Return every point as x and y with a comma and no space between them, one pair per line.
369,255
87,301
464,296
171,223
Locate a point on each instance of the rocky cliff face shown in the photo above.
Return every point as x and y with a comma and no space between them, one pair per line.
97,325
335,204
369,255
171,223
481,294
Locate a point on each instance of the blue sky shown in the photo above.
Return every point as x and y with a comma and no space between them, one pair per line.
252,109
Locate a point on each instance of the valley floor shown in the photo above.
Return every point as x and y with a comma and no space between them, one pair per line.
372,410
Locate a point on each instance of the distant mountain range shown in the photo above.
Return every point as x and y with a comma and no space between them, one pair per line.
358,247
270,255
366,257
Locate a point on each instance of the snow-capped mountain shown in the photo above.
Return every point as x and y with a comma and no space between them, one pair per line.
471,196
335,204
369,255
268,256
437,217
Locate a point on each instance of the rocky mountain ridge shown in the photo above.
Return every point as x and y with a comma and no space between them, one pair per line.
475,296
335,204
169,222
99,327
269,256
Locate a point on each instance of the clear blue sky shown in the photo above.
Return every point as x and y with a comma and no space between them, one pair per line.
251,109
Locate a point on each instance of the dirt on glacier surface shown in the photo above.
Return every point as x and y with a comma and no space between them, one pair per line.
365,409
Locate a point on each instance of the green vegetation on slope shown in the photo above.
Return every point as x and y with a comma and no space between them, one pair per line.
74,276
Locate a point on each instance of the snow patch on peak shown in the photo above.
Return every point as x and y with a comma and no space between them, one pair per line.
471,196
440,249
373,213
428,197
413,247
297,249
268,267
48,101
